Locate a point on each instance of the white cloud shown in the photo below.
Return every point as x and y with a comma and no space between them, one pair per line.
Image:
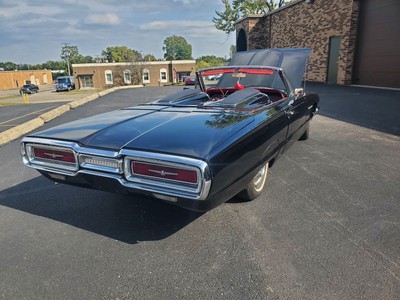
194,29
21,9
186,2
103,19
171,25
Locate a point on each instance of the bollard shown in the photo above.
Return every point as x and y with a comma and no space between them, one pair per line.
25,97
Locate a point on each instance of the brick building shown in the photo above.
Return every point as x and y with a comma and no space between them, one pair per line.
352,41
15,79
101,75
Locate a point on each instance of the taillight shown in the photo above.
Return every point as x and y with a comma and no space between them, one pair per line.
54,155
164,172
62,158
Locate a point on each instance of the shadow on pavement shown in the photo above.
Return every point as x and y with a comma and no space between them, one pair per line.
129,219
377,109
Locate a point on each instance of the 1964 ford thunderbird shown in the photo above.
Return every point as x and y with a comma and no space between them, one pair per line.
196,148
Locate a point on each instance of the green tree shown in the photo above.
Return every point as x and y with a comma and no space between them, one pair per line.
176,48
149,57
121,54
55,65
226,19
209,61
201,64
80,59
127,75
68,54
8,66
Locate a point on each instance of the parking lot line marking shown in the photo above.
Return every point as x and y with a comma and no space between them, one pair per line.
32,113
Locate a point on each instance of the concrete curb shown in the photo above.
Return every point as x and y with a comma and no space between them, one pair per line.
20,130
79,102
54,113
24,128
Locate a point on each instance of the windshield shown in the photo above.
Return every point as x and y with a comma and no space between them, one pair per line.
63,80
242,77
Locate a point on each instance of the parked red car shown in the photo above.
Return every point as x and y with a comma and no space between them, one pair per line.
190,80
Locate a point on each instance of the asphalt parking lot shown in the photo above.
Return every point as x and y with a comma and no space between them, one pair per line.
14,111
327,226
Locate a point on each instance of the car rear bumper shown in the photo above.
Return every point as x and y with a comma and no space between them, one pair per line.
113,184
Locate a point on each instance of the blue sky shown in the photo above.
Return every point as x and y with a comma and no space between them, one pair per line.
31,31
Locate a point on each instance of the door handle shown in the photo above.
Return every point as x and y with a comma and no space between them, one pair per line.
290,111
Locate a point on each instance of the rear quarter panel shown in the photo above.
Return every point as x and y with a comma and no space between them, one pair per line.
234,163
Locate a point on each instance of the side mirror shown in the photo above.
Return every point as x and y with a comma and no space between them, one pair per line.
299,92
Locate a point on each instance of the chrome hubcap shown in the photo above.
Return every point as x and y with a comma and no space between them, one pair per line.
259,179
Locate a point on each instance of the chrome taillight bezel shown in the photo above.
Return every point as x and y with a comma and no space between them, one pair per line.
56,164
199,190
167,164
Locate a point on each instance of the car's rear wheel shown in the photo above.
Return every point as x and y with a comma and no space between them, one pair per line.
257,185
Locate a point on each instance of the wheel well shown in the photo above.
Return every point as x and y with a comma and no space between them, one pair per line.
271,162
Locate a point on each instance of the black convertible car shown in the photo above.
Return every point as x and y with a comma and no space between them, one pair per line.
196,148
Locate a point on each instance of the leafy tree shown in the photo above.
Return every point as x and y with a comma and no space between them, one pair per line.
226,19
8,66
80,59
149,57
53,65
68,53
121,54
135,74
176,48
201,64
209,61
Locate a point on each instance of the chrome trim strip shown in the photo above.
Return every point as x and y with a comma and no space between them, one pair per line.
88,161
197,191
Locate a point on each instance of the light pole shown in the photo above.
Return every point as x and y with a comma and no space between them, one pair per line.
66,54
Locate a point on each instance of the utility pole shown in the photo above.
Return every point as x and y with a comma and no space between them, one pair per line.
66,53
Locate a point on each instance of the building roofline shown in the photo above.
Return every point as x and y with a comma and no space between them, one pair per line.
41,70
136,63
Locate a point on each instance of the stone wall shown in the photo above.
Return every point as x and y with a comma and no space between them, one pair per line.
309,25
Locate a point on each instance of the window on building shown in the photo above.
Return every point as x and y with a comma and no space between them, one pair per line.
127,77
146,76
109,77
163,75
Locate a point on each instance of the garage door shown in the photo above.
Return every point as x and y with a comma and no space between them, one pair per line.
378,47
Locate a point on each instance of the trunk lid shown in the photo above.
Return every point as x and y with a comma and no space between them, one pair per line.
183,131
